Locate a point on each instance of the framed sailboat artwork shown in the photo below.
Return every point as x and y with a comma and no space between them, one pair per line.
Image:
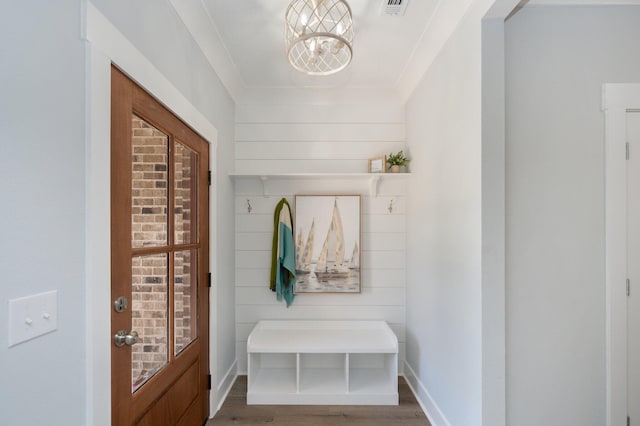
327,242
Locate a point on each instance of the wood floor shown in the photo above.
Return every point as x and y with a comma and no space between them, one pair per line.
235,411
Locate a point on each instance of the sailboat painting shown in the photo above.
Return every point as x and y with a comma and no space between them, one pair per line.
327,243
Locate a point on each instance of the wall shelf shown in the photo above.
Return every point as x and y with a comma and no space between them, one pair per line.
373,178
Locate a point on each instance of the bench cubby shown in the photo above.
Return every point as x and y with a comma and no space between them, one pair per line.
322,363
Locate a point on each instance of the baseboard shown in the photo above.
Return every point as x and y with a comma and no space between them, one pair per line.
428,405
226,384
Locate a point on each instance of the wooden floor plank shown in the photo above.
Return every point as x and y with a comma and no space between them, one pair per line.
235,411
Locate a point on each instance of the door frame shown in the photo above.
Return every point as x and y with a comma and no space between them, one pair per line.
617,99
106,45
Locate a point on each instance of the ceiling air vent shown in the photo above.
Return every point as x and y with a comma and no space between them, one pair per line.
394,7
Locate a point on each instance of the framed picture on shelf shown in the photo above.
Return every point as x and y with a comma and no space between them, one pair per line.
378,164
327,241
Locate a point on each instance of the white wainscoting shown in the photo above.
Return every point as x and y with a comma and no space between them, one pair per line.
383,294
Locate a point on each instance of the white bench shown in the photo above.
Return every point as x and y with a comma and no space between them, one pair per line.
322,363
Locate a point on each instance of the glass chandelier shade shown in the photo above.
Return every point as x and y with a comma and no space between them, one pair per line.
319,36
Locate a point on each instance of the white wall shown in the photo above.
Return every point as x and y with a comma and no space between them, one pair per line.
42,220
444,218
328,134
556,61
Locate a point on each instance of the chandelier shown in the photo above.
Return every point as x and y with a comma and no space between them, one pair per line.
319,35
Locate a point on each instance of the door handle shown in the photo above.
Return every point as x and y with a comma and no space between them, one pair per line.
122,338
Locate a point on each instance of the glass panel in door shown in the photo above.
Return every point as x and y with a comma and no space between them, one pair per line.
149,201
185,298
149,309
185,194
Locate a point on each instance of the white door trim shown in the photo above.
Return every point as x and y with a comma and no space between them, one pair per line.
106,45
617,100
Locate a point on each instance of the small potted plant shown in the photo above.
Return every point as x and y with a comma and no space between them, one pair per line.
396,161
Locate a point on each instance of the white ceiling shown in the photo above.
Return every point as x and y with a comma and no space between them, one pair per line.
253,33
243,41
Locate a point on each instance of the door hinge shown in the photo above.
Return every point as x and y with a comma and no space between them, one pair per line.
209,279
627,151
628,287
209,177
209,382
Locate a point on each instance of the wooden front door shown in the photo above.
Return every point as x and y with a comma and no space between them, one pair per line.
159,263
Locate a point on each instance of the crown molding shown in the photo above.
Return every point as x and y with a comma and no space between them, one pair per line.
444,22
441,26
502,9
198,22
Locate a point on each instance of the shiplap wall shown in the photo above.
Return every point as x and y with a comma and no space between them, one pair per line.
294,139
297,138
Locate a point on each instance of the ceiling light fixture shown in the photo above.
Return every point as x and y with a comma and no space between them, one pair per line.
319,36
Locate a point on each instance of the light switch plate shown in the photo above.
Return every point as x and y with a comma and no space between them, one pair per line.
32,316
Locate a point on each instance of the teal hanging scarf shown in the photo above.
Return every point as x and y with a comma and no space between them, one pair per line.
283,264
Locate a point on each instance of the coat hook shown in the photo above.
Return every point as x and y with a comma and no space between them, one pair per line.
249,208
390,208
